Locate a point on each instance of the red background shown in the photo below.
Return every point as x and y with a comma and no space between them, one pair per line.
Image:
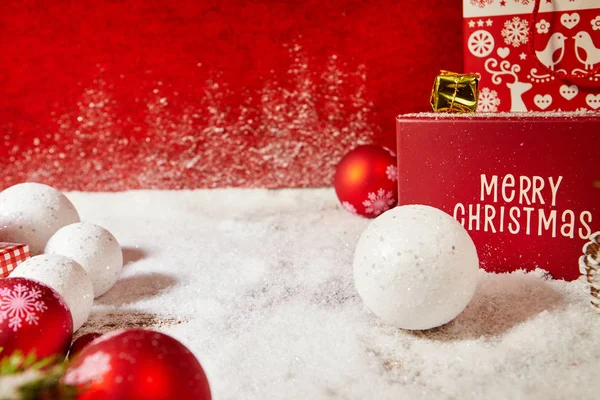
119,94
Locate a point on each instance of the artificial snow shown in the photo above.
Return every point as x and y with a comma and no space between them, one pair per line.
261,137
259,285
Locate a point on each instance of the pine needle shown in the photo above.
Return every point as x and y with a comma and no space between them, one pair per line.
43,377
17,362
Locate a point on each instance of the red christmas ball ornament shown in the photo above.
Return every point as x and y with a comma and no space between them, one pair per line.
82,341
366,181
137,364
33,317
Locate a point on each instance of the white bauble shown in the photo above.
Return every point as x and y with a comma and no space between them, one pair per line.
65,276
31,213
416,267
95,248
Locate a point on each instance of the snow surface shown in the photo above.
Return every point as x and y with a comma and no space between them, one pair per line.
259,285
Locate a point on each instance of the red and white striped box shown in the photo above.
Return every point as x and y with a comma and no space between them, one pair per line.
11,255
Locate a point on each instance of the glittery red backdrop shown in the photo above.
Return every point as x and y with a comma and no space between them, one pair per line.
119,94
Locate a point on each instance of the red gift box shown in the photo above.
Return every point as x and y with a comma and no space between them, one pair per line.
529,61
11,255
523,185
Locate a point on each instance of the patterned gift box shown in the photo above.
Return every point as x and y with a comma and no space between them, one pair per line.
522,184
534,55
11,255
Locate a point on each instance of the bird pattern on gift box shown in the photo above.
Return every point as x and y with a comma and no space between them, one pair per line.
586,52
554,51
583,47
566,42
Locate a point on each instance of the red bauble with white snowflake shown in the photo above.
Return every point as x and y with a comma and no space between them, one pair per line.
33,317
366,181
137,364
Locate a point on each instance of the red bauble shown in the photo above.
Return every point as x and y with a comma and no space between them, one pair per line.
366,181
33,317
137,364
82,341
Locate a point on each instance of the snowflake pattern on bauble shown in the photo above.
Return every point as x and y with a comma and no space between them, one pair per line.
21,304
516,31
378,202
392,172
488,100
481,3
349,207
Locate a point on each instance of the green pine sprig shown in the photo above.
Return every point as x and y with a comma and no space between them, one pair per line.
18,362
48,386
45,384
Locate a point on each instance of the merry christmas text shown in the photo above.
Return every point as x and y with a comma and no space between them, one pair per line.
533,212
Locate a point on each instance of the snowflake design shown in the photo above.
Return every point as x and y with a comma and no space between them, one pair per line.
481,43
481,3
20,303
91,369
543,26
524,2
596,23
378,202
488,100
516,31
349,207
392,172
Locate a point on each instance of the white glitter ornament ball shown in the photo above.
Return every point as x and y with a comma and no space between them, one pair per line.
66,277
416,267
95,248
31,213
